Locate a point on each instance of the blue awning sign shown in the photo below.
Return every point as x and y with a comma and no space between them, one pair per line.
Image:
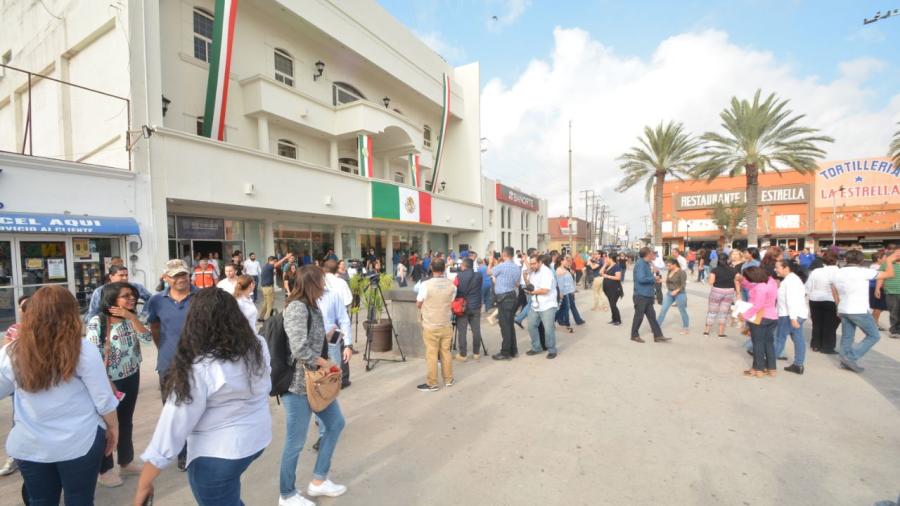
67,224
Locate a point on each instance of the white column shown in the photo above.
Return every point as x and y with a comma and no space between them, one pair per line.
262,134
333,156
269,240
338,241
389,253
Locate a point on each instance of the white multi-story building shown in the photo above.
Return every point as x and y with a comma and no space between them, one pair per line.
511,218
306,78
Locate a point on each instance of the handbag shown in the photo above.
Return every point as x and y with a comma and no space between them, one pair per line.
322,386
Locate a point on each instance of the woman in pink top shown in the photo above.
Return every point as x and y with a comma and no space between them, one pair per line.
763,294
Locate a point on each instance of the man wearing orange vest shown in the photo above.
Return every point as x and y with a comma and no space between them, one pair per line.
204,275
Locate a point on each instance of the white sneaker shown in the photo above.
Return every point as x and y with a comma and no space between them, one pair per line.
327,488
295,500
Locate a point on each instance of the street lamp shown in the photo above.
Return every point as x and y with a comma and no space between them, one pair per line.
687,237
834,216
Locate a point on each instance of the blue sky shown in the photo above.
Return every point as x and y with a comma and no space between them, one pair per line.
615,66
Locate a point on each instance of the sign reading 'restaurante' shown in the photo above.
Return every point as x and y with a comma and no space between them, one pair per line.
872,181
796,194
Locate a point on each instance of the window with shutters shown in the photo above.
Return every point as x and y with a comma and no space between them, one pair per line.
287,149
284,67
344,93
203,33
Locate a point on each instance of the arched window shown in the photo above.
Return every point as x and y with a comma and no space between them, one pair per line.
426,137
284,67
345,93
349,165
203,33
287,149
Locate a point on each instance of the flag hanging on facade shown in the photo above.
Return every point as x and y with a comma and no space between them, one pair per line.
391,202
414,170
364,143
442,136
219,69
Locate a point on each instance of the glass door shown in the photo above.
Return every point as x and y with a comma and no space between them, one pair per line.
7,287
43,262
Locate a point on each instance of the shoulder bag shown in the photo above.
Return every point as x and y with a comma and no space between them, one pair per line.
324,383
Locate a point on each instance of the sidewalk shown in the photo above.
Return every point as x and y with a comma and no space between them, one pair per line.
609,422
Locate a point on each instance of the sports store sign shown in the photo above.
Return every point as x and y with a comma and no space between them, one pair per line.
795,194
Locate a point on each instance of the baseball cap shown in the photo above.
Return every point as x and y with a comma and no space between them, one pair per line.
176,267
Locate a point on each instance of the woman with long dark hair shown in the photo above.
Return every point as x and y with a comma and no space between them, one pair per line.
65,410
793,310
217,400
117,332
761,318
305,329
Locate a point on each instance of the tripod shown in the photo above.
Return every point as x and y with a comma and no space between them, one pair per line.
370,317
456,338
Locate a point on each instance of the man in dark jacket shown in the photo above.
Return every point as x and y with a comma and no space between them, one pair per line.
468,286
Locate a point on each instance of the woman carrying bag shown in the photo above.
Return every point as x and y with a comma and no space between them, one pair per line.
118,333
305,329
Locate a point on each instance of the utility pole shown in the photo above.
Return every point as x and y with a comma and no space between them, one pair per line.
588,199
572,237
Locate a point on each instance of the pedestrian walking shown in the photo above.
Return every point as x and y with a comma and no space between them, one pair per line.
216,403
611,276
227,283
65,409
762,319
645,282
793,311
487,284
253,269
822,307
594,266
676,282
565,281
166,315
541,285
852,285
722,294
401,272
305,328
118,333
889,291
506,276
267,284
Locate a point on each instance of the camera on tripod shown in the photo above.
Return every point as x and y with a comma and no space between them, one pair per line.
373,277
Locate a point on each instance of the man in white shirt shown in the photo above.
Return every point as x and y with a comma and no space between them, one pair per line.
682,262
227,283
851,291
541,286
252,269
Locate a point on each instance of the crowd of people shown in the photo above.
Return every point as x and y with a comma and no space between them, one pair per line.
75,381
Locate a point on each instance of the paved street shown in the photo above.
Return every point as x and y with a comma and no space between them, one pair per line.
608,422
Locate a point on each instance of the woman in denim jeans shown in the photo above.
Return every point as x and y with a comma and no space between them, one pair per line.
761,318
566,283
676,280
305,329
793,310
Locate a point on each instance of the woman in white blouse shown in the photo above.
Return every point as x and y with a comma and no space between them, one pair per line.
822,306
793,310
65,410
217,401
243,293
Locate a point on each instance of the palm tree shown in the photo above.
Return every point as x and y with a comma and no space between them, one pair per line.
759,136
894,151
664,151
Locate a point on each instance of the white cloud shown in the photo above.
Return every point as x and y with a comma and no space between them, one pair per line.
454,55
506,11
610,98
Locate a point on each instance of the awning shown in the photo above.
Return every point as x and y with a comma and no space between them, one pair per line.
67,224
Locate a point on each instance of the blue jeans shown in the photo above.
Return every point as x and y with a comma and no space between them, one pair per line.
334,355
535,318
525,310
681,301
77,477
217,482
562,314
255,287
866,323
785,329
297,414
487,296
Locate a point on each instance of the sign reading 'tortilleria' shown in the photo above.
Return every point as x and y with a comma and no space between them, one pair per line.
516,198
795,194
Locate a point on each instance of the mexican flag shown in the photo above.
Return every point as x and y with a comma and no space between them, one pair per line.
414,171
391,202
219,69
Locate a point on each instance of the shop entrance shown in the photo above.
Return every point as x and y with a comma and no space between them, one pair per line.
789,243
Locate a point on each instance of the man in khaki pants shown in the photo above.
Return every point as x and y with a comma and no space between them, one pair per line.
267,284
433,300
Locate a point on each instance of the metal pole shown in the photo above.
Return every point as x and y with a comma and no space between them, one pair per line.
572,237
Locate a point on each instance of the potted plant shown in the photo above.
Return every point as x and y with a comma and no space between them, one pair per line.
371,302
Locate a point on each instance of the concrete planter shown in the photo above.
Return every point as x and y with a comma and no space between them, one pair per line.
381,335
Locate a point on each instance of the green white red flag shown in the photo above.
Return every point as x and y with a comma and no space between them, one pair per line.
414,172
392,202
219,69
442,137
364,143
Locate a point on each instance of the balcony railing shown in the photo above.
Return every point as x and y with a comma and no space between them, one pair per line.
46,117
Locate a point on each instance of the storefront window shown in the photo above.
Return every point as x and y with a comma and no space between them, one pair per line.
43,262
92,259
170,225
309,242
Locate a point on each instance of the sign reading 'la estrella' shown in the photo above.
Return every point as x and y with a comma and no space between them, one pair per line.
871,181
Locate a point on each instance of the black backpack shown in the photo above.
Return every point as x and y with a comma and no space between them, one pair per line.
283,364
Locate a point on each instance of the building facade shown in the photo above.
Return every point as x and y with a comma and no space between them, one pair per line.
112,113
857,200
511,218
574,234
